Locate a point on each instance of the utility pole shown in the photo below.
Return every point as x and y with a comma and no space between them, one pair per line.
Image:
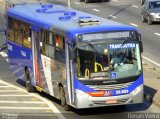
69,3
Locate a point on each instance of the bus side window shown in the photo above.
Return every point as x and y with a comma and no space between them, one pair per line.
51,46
10,29
18,32
47,46
26,35
60,48
42,45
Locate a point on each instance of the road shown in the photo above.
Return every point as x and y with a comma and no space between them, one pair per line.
15,100
127,12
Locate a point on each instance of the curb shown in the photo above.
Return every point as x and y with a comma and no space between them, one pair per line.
149,96
149,62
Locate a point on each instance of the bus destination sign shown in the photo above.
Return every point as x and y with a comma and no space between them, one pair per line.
101,36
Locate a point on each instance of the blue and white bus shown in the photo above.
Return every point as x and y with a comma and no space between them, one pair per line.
83,60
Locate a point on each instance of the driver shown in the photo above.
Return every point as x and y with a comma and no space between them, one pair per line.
118,59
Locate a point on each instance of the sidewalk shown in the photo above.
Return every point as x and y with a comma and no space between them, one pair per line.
151,83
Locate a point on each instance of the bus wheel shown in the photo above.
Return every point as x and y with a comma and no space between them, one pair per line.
29,86
81,0
63,100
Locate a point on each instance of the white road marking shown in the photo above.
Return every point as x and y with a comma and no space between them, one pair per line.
96,10
115,0
10,95
3,54
158,34
22,76
135,6
113,16
23,102
76,3
134,24
50,104
9,91
24,108
4,86
16,71
155,63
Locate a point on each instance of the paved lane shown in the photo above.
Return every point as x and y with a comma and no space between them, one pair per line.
127,12
13,99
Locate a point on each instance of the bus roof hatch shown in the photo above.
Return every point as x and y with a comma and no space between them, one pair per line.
88,21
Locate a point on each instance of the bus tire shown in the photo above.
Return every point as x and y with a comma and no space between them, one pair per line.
63,100
81,0
107,0
29,85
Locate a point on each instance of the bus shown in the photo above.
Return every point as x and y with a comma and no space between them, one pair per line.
81,59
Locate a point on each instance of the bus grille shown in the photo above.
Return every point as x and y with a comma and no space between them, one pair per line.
110,87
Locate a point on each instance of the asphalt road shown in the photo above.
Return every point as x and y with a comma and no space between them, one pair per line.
127,12
124,11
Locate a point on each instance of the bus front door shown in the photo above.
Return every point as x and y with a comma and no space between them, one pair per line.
36,57
70,81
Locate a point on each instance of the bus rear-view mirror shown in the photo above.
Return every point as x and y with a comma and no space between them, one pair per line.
140,43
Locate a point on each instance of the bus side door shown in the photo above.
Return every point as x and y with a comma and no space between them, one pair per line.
70,81
36,56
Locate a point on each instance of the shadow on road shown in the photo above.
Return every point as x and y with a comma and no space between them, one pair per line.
21,82
100,110
150,93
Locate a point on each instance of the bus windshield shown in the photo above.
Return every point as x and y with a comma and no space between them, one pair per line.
107,61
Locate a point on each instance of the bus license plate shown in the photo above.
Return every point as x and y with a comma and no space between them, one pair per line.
111,101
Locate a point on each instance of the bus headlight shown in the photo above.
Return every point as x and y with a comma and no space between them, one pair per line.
81,93
136,91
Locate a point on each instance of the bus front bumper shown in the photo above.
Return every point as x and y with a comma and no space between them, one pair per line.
84,100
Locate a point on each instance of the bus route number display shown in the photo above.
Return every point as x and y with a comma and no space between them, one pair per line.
111,35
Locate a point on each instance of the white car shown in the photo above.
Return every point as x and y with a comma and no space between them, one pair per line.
151,11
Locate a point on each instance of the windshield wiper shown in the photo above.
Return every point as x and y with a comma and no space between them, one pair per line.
124,42
92,46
